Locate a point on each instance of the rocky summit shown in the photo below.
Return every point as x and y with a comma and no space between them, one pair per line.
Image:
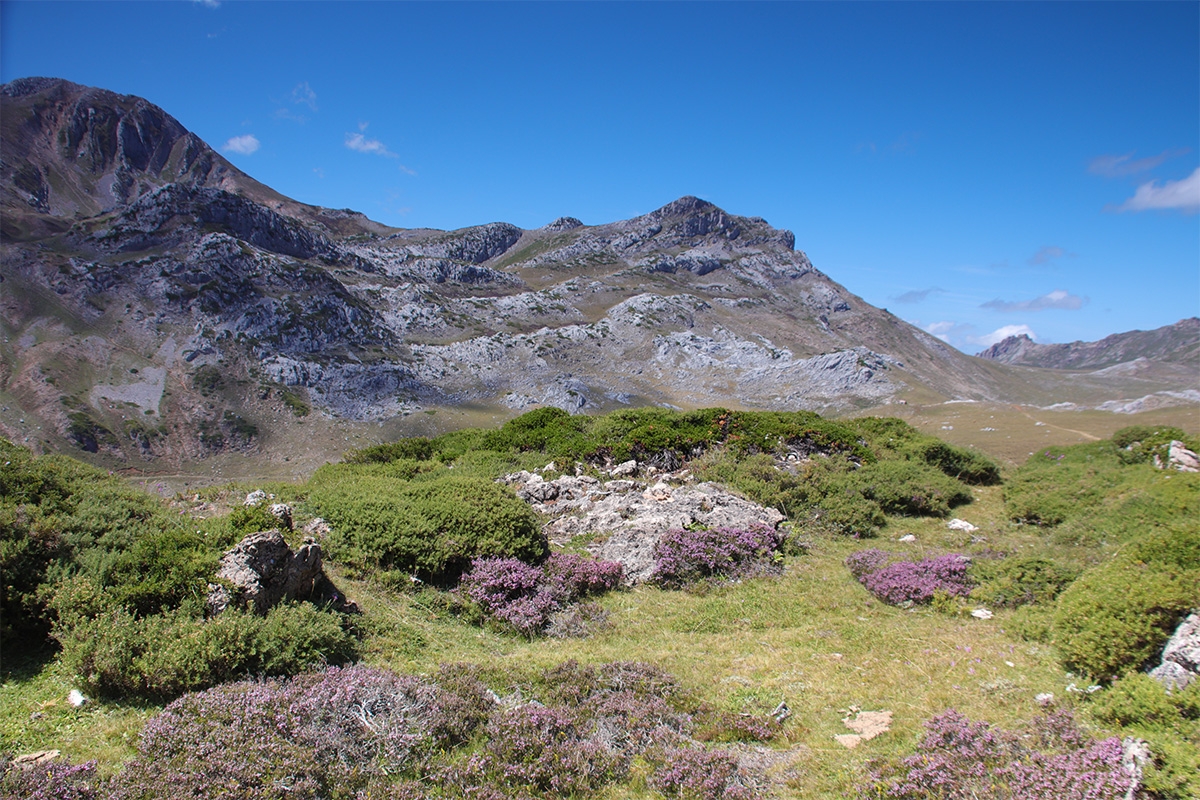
159,303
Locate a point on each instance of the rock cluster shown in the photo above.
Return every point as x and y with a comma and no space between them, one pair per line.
1181,657
626,517
261,571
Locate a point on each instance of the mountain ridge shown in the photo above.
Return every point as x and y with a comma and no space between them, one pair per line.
205,313
1178,342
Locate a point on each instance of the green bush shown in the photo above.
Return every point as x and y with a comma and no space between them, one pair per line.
1019,581
252,519
430,528
158,657
895,438
904,487
1168,721
1116,617
59,517
415,449
1140,444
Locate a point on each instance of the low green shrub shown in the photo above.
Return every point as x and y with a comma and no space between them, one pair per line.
905,488
1117,616
1168,721
1019,581
415,449
1141,444
117,654
429,528
888,436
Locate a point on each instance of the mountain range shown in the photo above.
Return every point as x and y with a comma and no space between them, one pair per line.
159,303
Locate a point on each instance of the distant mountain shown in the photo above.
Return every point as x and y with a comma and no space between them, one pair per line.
159,303
1178,343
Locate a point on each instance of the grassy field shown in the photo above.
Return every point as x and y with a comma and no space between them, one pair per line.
812,637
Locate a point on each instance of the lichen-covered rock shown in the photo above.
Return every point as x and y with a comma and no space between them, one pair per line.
1181,657
626,518
263,571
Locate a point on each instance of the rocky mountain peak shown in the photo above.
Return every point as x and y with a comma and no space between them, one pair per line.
1007,349
75,150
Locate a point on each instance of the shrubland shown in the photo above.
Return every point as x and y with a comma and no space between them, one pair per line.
493,665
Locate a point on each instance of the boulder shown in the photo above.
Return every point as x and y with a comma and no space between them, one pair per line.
1182,459
626,518
1181,657
263,571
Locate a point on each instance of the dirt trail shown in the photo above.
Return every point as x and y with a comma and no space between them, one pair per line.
1027,415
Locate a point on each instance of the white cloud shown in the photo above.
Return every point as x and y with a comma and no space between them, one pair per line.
242,145
1000,334
1182,194
916,295
1058,299
1047,253
361,144
304,95
209,3
941,330
1112,166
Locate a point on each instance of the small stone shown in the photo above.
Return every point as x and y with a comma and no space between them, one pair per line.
961,525
255,498
37,759
1045,699
908,537
626,468
981,613
76,698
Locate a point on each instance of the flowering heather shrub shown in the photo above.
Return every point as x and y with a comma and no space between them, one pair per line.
684,558
320,735
511,591
543,750
864,562
58,780
528,598
574,576
701,775
917,582
962,760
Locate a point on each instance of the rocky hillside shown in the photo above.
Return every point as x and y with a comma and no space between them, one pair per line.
160,304
1178,343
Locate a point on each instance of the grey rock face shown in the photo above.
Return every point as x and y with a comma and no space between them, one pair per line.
264,571
627,518
1181,657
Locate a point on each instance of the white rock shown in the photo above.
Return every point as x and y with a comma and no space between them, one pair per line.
76,698
981,613
627,468
961,525
255,498
908,537
1045,699
1182,459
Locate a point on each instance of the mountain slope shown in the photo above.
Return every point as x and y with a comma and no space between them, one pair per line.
160,304
1177,343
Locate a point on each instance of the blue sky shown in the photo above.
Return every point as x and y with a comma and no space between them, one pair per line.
976,168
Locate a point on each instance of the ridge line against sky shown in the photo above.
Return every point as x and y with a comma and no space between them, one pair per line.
982,169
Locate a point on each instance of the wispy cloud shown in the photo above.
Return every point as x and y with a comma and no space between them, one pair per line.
916,295
361,144
208,3
303,94
1000,334
1183,195
1114,166
1046,254
242,145
1058,299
